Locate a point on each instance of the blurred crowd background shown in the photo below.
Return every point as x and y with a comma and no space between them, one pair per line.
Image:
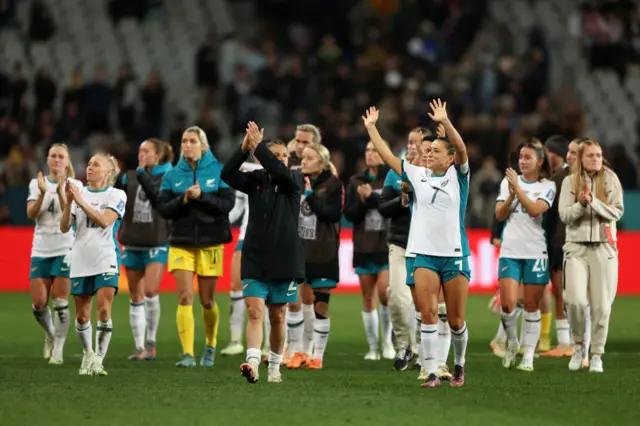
108,74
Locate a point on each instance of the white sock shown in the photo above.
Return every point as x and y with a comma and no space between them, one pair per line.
309,315
587,331
429,346
460,339
60,323
152,313
85,333
104,330
236,319
274,362
254,355
267,332
562,329
412,326
501,335
320,337
531,335
444,335
44,319
295,329
138,323
385,325
518,315
510,323
418,323
370,320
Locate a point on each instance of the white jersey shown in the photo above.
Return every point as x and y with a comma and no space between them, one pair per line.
523,236
48,240
95,250
439,205
241,207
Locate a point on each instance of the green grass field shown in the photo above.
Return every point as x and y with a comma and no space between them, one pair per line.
348,391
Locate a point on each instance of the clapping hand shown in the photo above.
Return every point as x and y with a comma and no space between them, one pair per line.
42,183
194,192
365,191
512,178
254,135
371,117
72,192
439,111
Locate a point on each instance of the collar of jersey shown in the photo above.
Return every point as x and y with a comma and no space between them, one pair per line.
207,159
97,190
524,181
51,180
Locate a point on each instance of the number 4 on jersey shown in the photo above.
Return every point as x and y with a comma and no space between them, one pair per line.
52,208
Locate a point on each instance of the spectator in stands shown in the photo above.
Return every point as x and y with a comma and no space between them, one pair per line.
18,86
74,92
16,171
126,98
153,100
41,24
485,187
175,135
241,103
207,63
625,169
207,123
7,12
45,90
69,129
98,103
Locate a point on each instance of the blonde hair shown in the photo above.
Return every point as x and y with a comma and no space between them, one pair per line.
314,130
323,154
68,170
202,138
577,170
113,166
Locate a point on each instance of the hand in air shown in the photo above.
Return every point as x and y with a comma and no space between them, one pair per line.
42,183
246,143
440,132
254,134
371,117
439,110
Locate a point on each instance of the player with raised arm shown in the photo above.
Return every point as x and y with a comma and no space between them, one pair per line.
272,254
50,253
145,235
437,237
237,306
319,230
96,211
370,251
522,203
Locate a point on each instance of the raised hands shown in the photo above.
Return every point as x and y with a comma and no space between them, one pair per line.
371,117
512,179
439,111
440,132
42,183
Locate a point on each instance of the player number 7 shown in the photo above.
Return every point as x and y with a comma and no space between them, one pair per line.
458,263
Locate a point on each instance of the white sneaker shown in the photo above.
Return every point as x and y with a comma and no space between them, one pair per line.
48,347
85,367
388,352
575,364
56,358
595,366
250,371
423,374
372,355
509,359
97,369
233,349
443,372
274,376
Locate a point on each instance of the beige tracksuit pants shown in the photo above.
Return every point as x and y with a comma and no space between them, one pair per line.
400,299
590,278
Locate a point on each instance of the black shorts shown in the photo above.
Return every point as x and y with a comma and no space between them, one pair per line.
556,258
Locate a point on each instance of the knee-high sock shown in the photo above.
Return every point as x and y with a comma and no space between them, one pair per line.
137,320
60,323
236,319
184,319
103,337
309,316
152,314
210,317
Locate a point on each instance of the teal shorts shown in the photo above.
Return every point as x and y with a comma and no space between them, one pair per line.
49,267
138,260
88,286
323,283
409,264
446,267
371,268
526,271
239,245
273,292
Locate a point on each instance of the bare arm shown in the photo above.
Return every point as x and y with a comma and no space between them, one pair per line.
381,146
533,208
503,208
67,219
103,220
33,207
456,140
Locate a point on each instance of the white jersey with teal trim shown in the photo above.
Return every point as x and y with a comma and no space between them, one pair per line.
523,236
48,240
241,208
437,219
96,250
